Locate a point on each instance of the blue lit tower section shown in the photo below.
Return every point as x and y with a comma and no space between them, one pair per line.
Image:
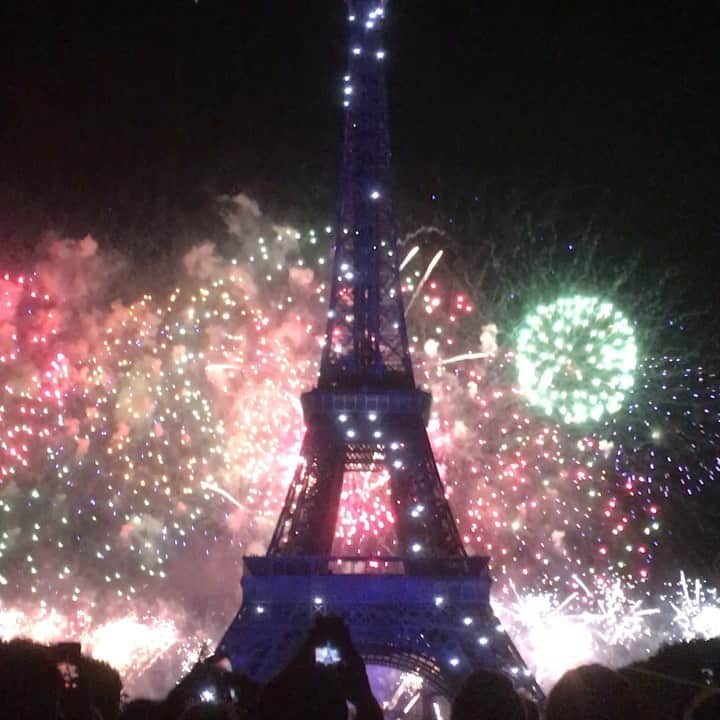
366,340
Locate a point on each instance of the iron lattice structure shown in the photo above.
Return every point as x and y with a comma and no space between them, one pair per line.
428,616
366,339
428,610
366,431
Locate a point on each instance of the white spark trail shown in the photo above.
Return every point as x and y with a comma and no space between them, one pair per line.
433,263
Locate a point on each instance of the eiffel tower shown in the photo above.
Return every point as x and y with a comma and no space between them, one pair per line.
426,608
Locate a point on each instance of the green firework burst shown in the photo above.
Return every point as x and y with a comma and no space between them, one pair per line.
576,358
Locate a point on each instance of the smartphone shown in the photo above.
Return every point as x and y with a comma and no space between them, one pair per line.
69,674
327,654
67,656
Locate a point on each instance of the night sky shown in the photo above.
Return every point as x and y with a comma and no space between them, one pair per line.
128,120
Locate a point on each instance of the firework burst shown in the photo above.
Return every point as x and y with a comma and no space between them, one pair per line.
166,434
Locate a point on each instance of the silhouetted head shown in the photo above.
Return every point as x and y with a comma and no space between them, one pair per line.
210,711
592,692
142,709
303,693
30,684
102,687
706,706
487,695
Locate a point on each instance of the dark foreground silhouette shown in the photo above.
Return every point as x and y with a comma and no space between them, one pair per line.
57,682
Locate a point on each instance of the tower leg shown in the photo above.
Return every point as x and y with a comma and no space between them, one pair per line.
425,524
309,516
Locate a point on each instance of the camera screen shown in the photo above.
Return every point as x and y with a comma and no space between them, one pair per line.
69,673
327,655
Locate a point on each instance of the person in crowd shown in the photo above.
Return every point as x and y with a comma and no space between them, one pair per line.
211,711
326,680
30,684
303,693
213,682
487,695
38,681
592,692
101,688
90,687
142,709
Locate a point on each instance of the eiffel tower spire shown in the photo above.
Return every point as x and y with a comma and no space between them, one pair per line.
366,339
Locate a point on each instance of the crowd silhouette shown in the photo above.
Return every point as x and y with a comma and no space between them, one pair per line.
57,682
